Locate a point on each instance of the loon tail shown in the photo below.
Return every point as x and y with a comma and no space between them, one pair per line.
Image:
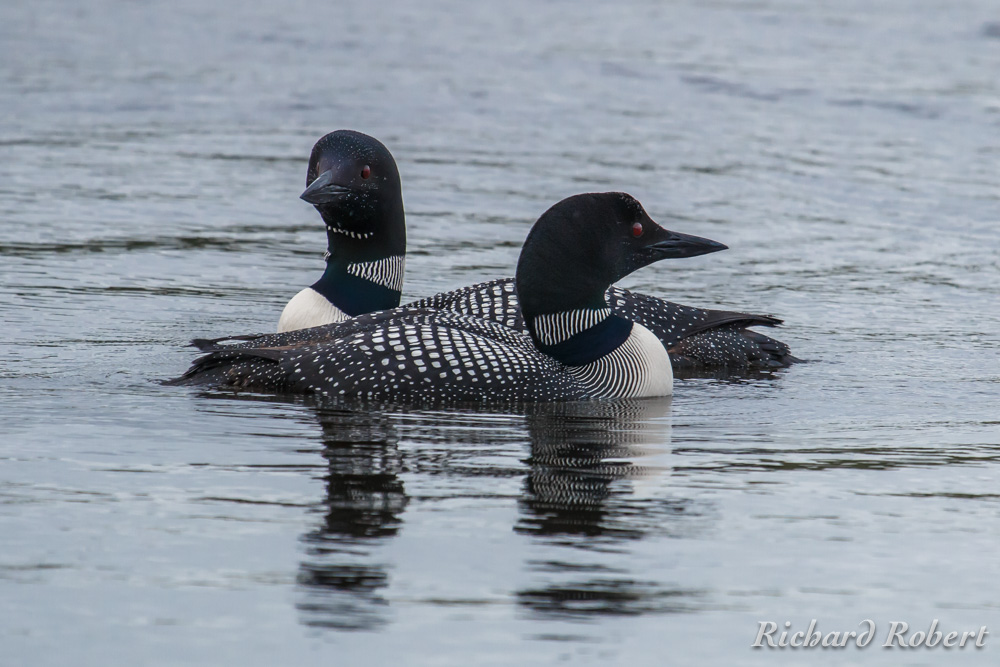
247,368
723,340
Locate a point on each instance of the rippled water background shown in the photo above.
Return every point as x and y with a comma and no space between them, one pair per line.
150,161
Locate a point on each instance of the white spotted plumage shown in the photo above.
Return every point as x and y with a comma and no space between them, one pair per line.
415,354
674,324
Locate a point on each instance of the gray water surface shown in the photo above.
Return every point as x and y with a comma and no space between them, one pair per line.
150,161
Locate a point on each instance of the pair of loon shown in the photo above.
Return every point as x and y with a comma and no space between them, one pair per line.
353,182
570,335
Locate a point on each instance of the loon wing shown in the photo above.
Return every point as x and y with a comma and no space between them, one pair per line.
405,354
672,322
300,337
696,338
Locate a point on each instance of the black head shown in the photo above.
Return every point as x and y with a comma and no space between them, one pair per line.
354,184
585,243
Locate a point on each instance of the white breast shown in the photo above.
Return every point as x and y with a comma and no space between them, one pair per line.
638,368
307,309
658,374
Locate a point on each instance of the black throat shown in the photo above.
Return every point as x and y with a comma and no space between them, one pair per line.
351,293
379,235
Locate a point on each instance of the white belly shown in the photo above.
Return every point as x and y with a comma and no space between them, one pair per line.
307,309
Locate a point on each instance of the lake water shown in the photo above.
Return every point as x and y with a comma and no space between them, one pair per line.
151,156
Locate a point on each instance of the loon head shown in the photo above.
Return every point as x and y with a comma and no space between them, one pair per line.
353,182
585,243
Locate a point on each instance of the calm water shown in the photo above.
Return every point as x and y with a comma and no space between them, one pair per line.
150,162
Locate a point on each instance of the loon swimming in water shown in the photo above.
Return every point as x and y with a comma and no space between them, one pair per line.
575,347
353,182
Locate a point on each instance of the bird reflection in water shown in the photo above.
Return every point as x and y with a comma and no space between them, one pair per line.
365,500
598,481
579,452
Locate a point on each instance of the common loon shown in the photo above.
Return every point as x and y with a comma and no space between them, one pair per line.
575,347
353,182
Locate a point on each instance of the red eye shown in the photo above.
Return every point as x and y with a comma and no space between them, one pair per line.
637,229
366,171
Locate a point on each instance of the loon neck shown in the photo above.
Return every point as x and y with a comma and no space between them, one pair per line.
365,257
578,337
359,287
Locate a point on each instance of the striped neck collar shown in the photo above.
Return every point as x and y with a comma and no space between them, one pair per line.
362,287
579,337
387,272
554,328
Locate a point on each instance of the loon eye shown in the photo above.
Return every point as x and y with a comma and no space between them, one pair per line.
366,171
637,229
